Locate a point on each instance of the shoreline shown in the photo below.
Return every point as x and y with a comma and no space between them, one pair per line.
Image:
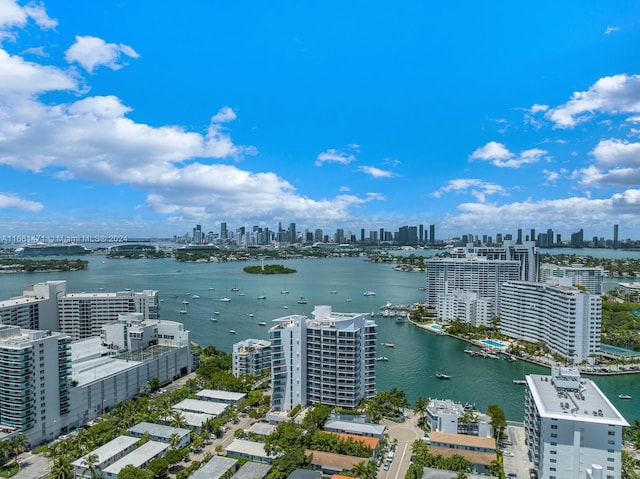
520,358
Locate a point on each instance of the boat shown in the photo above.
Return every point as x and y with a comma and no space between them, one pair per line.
183,311
214,319
262,296
519,381
185,301
624,396
471,352
216,312
285,307
162,300
389,345
262,323
211,289
302,300
235,288
250,315
50,249
240,294
382,358
442,376
195,296
284,291
334,292
368,293
225,300
232,331
348,300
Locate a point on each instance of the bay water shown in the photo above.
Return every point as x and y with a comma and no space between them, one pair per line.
339,282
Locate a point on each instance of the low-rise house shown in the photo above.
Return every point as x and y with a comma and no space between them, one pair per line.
249,449
215,468
106,455
139,457
252,470
480,451
161,433
372,443
354,425
330,463
219,396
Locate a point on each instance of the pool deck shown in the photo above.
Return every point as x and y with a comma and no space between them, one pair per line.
544,362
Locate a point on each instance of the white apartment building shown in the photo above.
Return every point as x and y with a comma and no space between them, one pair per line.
450,417
566,318
571,428
48,306
35,380
592,278
465,306
526,253
251,357
82,315
327,359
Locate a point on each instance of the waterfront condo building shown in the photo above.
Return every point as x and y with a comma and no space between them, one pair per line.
326,359
251,357
571,428
35,380
567,319
592,278
465,306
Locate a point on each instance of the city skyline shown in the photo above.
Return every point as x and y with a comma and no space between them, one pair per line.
143,122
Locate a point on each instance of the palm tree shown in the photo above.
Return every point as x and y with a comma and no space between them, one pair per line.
61,469
177,419
174,440
19,444
364,470
90,462
632,433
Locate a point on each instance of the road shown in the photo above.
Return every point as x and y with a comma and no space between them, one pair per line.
403,434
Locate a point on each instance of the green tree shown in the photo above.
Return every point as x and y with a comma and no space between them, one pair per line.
89,462
132,472
365,470
632,433
159,466
61,469
630,466
498,420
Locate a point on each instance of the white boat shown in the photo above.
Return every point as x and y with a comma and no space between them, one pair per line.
389,345
519,381
285,307
348,300
185,302
302,300
262,296
240,294
232,331
225,300
624,396
195,296
262,323
214,319
382,358
211,289
442,376
284,291
368,293
216,312
250,315
183,311
334,292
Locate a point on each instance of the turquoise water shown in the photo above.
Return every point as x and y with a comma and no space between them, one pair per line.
493,344
437,327
417,355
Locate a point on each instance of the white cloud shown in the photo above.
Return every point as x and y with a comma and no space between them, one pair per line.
551,176
334,156
633,119
617,162
376,172
610,30
568,214
18,76
501,157
8,200
91,52
14,15
618,94
617,152
480,189
225,114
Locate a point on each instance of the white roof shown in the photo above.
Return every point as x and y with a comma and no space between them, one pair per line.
138,457
222,396
248,448
206,407
586,404
108,450
158,430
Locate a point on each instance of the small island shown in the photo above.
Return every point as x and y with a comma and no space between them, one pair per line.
22,265
268,269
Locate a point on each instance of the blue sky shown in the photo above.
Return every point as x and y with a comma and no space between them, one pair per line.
145,118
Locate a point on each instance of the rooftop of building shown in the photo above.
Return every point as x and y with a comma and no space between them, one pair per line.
570,397
199,406
18,301
158,430
334,461
370,442
215,468
356,427
482,458
108,450
462,440
252,470
138,456
262,428
219,395
248,448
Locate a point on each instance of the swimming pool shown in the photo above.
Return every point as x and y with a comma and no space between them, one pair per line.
494,344
437,327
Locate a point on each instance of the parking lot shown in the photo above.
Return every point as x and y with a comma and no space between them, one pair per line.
516,458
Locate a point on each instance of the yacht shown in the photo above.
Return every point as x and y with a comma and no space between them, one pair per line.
183,311
216,313
225,300
262,323
382,358
232,331
211,289
624,396
284,291
368,293
262,296
302,300
195,296
389,345
519,381
214,319
348,300
334,292
185,301
250,315
442,376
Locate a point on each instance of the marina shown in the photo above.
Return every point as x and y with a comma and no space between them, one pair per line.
409,349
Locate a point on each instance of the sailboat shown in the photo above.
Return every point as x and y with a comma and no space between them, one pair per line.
235,287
